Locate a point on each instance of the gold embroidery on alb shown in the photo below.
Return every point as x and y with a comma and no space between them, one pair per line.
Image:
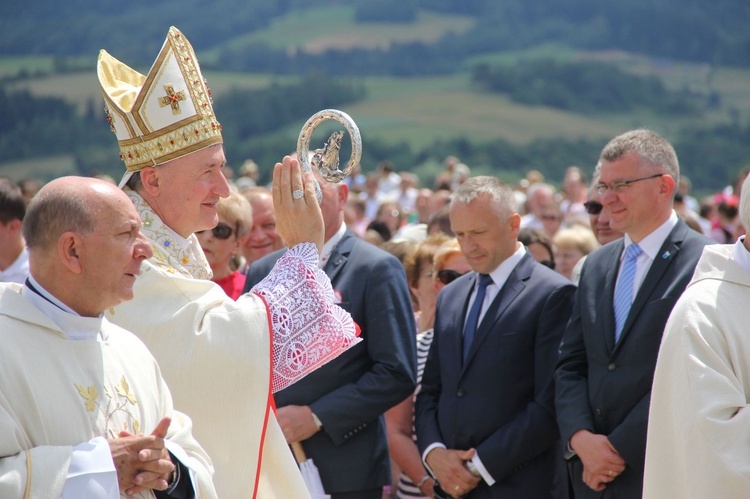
117,403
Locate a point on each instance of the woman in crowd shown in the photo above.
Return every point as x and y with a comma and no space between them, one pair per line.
222,244
538,245
435,263
570,245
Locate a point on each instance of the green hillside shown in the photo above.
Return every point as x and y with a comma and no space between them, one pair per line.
438,109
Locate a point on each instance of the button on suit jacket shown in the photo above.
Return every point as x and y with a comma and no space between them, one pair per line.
501,399
605,387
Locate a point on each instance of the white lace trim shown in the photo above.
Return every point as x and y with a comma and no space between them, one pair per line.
309,330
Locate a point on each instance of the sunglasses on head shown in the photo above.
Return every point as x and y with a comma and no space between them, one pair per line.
447,276
221,231
593,207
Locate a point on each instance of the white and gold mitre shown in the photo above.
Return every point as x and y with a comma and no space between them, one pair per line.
163,115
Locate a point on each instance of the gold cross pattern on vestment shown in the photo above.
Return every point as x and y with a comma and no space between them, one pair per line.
172,99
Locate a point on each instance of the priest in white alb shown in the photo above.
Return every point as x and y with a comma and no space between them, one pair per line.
698,442
222,359
77,392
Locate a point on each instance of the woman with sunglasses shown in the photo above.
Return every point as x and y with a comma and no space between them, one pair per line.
223,243
434,264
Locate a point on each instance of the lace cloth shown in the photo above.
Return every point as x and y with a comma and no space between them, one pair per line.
309,330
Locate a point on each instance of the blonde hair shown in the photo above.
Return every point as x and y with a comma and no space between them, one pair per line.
236,209
422,257
580,238
445,251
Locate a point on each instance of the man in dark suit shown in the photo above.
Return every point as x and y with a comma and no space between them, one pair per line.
625,295
337,411
485,417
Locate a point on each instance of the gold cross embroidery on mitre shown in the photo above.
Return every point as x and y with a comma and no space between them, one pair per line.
172,99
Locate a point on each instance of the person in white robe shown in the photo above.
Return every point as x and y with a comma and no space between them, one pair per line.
222,359
699,424
14,259
76,392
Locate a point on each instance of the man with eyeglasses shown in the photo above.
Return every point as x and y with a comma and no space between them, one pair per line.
599,222
485,416
626,291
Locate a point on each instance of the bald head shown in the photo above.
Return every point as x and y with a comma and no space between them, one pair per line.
65,204
85,245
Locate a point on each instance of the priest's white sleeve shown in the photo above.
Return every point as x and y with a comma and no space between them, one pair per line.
308,328
92,472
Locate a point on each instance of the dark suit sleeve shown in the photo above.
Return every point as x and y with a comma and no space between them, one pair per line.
534,430
390,329
571,375
629,438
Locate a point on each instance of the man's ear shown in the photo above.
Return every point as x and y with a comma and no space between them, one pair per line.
343,194
514,221
69,248
14,226
150,180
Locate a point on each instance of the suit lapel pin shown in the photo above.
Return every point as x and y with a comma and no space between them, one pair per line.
665,255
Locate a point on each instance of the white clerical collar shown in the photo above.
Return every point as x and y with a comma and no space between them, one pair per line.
741,255
325,254
502,272
652,243
73,325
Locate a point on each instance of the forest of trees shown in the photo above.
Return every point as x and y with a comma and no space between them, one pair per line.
685,30
692,30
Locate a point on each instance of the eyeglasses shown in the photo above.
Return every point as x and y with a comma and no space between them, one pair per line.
447,276
620,185
593,207
221,231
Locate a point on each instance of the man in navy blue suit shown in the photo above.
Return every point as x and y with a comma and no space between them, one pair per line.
625,294
485,417
337,411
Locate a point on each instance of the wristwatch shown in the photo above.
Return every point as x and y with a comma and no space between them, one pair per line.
474,471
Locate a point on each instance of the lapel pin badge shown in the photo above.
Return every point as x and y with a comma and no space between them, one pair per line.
665,255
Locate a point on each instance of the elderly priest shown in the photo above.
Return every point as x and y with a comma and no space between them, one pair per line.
221,358
75,390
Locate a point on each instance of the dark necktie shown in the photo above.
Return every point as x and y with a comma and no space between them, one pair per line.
473,319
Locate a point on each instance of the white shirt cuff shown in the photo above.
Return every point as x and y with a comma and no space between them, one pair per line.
482,470
427,451
91,472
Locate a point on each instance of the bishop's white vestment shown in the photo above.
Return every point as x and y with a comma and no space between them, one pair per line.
699,426
223,359
57,392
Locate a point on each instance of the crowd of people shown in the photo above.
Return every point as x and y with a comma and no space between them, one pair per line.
174,335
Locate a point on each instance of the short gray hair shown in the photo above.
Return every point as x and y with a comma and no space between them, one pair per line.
53,212
500,193
652,150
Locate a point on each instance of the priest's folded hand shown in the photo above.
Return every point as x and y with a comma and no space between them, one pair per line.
142,462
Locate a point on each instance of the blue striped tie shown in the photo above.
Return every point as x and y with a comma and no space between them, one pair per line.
624,291
473,320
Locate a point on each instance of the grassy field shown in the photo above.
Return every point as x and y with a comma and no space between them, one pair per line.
38,168
422,110
318,29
